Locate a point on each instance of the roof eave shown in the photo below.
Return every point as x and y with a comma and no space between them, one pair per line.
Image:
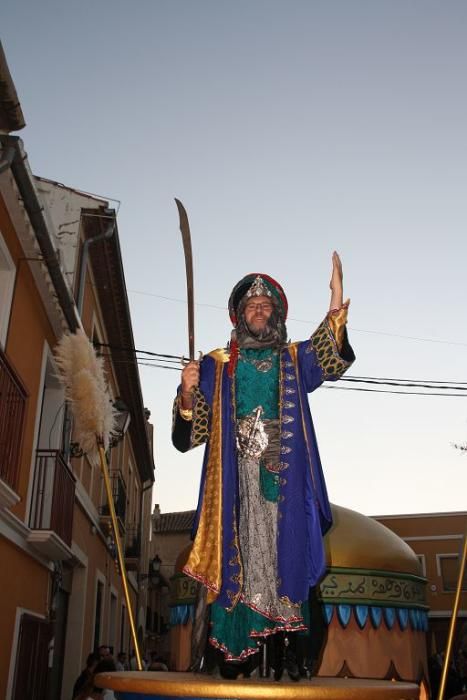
106,262
11,114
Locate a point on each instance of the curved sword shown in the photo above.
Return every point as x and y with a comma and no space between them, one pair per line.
186,238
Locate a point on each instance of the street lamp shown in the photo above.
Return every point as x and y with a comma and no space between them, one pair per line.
155,578
122,422
155,569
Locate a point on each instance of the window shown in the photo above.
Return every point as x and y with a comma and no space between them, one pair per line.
123,644
7,281
449,571
12,412
32,658
98,615
422,563
112,621
52,410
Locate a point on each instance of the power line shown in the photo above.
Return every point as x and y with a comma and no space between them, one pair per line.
436,388
119,348
389,381
153,364
377,381
418,381
389,391
310,323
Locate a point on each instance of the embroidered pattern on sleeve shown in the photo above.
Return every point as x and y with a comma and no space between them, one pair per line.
200,425
323,343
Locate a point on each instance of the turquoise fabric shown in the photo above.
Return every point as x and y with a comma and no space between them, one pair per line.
228,628
269,484
231,630
254,388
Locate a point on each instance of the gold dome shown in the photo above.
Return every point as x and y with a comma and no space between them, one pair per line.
356,541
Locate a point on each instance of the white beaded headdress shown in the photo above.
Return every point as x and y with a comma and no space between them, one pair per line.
258,289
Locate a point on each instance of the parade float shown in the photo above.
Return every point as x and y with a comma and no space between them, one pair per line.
369,620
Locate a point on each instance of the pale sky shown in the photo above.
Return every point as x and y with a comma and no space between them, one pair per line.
288,129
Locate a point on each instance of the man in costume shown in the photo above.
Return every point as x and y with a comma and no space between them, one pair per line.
263,507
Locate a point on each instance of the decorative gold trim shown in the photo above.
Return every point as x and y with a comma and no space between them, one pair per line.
337,319
220,355
205,560
236,560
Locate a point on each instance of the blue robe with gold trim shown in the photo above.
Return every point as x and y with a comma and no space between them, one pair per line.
304,513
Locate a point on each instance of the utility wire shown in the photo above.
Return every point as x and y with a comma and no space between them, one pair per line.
152,364
135,350
418,385
389,381
435,388
310,323
389,391
418,381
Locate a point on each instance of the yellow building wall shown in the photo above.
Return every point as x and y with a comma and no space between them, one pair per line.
25,582
99,560
28,320
26,586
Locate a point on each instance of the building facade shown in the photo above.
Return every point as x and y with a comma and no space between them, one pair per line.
437,539
60,270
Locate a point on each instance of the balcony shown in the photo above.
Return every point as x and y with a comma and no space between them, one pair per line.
118,487
12,411
132,547
53,497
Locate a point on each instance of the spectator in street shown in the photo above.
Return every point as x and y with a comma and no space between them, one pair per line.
86,674
134,663
92,692
121,662
462,668
157,663
435,668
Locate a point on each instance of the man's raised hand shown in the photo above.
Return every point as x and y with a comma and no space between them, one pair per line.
336,283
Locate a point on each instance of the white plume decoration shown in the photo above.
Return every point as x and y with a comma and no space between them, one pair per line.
81,372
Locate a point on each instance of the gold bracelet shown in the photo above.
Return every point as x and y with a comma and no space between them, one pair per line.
186,413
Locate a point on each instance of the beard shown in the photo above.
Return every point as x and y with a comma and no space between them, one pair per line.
258,330
272,334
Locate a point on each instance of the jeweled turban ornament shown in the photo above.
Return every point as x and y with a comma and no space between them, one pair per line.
258,289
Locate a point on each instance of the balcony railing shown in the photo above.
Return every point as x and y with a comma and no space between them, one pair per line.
117,484
12,410
53,495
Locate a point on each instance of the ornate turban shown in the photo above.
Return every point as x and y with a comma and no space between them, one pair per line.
257,284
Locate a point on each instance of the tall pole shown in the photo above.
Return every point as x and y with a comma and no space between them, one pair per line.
452,625
121,559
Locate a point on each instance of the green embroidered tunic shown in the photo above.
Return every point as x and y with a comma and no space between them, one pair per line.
257,382
259,612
